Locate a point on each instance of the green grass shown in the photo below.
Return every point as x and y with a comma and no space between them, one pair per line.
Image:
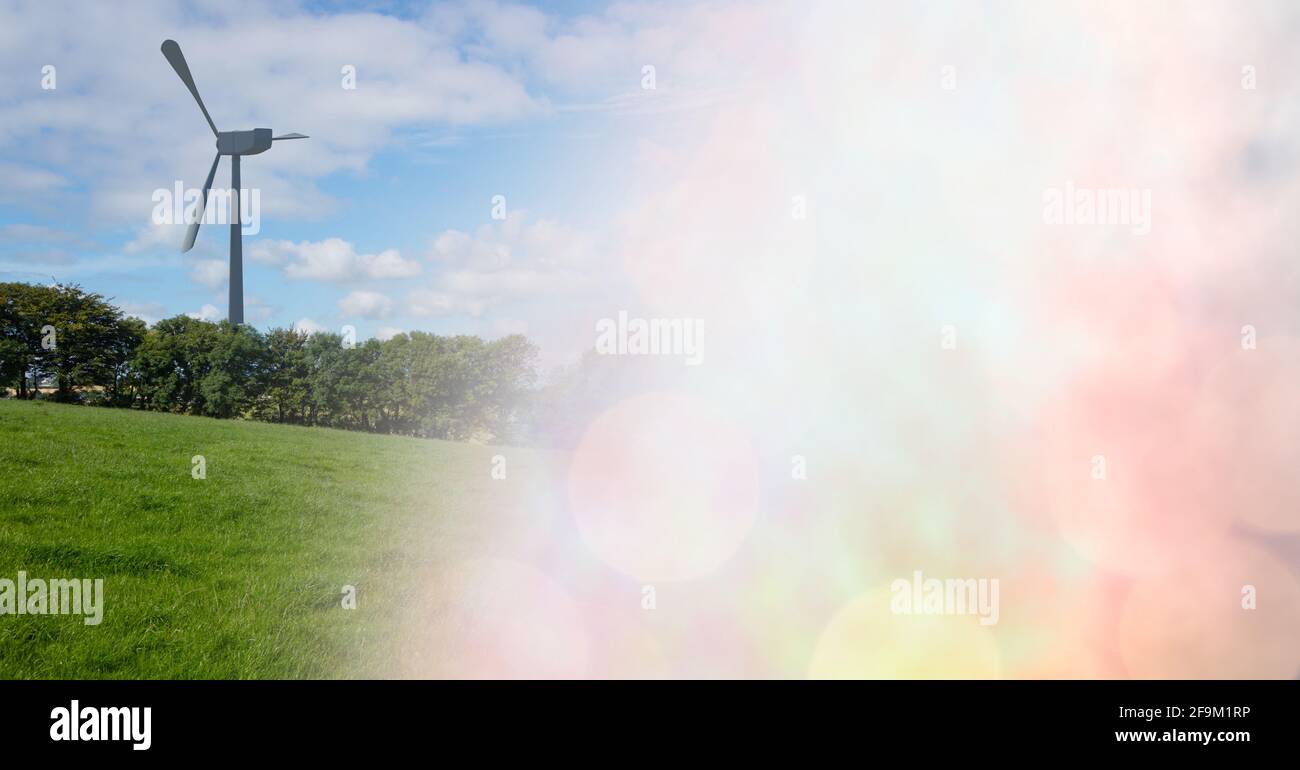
239,575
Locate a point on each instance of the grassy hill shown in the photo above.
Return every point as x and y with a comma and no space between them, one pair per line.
239,575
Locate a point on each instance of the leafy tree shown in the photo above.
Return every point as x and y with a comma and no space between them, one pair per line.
234,369
85,330
509,376
22,306
171,362
63,332
13,364
324,355
198,367
116,361
284,390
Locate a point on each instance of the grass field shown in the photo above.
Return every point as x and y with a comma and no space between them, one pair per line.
239,575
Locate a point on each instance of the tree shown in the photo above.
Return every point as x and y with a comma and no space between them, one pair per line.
508,376
116,361
324,357
21,311
171,362
78,333
63,332
285,377
198,367
235,361
13,364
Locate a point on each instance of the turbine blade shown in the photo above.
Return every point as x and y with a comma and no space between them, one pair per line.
177,59
193,231
289,136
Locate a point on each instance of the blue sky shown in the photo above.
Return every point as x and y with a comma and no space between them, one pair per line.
455,103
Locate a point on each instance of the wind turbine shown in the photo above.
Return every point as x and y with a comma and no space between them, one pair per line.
236,144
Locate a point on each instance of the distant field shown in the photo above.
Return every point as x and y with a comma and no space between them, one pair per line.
239,575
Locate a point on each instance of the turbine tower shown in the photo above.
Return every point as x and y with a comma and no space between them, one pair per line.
236,144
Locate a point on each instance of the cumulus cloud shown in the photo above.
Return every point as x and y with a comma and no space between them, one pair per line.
429,302
695,50
25,233
309,326
41,256
509,260
207,313
153,237
257,309
22,244
24,181
367,304
149,312
212,273
332,260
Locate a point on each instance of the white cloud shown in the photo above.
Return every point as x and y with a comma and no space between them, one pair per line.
389,264
24,244
42,256
333,259
698,50
207,313
309,326
27,181
156,237
514,241
212,273
25,233
386,333
367,304
428,302
511,260
149,312
255,309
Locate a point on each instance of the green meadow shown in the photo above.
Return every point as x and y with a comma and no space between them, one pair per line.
240,574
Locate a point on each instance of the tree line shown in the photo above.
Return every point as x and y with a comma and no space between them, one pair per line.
417,384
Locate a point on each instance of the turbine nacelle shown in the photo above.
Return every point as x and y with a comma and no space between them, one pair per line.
251,142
